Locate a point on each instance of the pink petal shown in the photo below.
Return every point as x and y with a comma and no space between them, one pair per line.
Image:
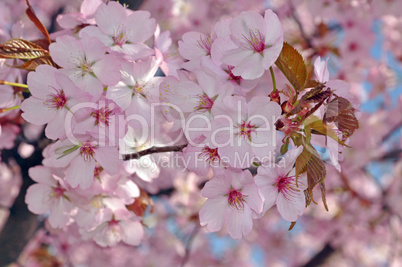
253,198
212,213
108,70
35,112
56,128
246,21
93,48
189,47
216,187
60,213
42,174
291,209
274,31
238,223
110,17
109,158
59,48
92,31
38,198
250,68
41,81
80,173
141,26
132,232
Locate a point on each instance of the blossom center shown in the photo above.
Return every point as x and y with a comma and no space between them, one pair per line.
206,43
139,90
236,199
233,77
210,154
87,151
102,116
56,100
120,39
287,187
57,192
204,103
255,41
246,129
86,67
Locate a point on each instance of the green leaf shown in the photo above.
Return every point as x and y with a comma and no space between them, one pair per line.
292,65
68,151
321,128
284,147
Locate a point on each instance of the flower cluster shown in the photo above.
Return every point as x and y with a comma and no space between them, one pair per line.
108,93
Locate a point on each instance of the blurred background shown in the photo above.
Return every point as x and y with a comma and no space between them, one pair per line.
363,41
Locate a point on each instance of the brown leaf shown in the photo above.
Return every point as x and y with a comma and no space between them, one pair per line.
141,203
32,16
310,162
31,65
291,226
324,195
21,49
311,83
292,65
319,127
341,111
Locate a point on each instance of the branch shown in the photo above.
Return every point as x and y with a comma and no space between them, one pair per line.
299,24
186,256
153,150
321,257
21,224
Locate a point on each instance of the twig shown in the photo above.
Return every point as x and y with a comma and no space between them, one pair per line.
188,245
153,150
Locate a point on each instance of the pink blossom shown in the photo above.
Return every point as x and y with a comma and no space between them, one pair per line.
122,30
80,160
118,226
53,94
136,91
233,200
259,42
196,46
49,194
279,186
242,131
86,63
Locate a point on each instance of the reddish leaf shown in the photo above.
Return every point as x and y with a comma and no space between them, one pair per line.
310,162
32,16
340,111
21,49
292,65
291,226
324,195
141,204
31,65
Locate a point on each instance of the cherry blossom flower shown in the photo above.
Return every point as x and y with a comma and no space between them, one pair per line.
259,42
120,225
87,63
123,30
80,160
136,91
233,201
53,94
280,186
50,194
242,131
